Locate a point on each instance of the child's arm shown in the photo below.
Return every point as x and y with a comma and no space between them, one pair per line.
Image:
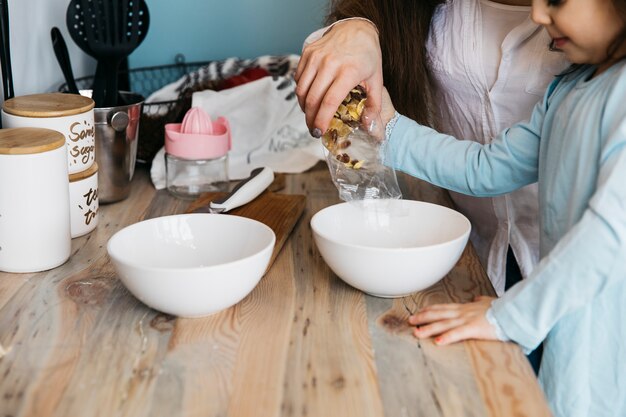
455,322
468,167
585,264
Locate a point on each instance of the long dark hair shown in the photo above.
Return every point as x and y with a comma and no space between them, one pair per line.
403,27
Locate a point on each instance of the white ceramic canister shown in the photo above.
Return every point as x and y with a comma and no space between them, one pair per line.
84,201
34,200
70,114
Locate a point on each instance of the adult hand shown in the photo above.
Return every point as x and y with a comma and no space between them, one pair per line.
330,67
454,322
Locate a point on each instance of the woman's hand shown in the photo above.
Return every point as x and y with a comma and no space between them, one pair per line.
454,322
330,67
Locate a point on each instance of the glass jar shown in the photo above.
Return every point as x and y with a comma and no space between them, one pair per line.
188,178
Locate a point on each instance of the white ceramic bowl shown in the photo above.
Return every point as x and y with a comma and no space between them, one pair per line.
390,248
192,265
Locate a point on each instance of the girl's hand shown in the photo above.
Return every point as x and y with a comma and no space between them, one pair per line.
454,322
377,122
388,111
330,67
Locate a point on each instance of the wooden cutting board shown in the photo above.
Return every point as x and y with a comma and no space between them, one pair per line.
279,211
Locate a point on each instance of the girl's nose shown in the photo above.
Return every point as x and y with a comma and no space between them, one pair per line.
540,13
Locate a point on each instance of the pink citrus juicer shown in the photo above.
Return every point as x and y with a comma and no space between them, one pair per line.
198,137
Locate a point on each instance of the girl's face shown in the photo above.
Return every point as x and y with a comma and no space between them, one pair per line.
583,29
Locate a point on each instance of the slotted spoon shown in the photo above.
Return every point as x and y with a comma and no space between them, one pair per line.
108,30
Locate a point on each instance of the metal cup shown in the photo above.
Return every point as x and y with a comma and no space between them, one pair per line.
116,131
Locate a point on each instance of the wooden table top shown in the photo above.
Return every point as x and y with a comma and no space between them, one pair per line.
303,343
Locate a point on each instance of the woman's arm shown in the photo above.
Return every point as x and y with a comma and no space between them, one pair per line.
397,54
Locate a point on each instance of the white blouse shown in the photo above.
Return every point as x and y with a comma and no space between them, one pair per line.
498,20
480,90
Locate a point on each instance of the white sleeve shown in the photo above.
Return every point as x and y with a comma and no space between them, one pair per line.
317,35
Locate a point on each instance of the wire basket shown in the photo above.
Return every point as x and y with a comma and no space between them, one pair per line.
155,115
195,76
208,75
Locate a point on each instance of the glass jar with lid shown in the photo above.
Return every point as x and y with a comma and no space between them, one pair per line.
196,155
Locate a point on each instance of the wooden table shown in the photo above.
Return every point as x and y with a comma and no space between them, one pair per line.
303,343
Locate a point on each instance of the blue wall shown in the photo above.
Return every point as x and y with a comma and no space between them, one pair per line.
211,29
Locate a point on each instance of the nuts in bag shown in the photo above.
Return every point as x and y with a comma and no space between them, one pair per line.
353,155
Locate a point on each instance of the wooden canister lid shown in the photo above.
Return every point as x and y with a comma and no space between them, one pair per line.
84,174
29,140
48,105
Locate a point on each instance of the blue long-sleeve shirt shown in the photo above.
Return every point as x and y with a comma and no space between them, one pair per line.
574,145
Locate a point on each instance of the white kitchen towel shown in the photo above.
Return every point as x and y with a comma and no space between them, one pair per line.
267,125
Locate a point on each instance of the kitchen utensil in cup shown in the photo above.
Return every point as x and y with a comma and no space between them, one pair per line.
109,31
5,51
70,114
34,200
116,132
63,57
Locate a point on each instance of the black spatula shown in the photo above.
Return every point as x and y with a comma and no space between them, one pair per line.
63,57
108,30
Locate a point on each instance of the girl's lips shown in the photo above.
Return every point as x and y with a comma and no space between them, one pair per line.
559,42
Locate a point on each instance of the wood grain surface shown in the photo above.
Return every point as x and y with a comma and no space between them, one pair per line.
303,343
48,105
29,140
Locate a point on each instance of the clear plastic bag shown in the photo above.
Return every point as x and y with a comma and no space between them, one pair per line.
354,155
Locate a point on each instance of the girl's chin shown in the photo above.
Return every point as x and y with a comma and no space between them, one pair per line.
575,58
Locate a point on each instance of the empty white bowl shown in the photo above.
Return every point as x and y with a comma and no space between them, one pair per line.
192,265
390,248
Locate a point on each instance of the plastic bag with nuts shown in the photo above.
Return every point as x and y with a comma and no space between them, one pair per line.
353,154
